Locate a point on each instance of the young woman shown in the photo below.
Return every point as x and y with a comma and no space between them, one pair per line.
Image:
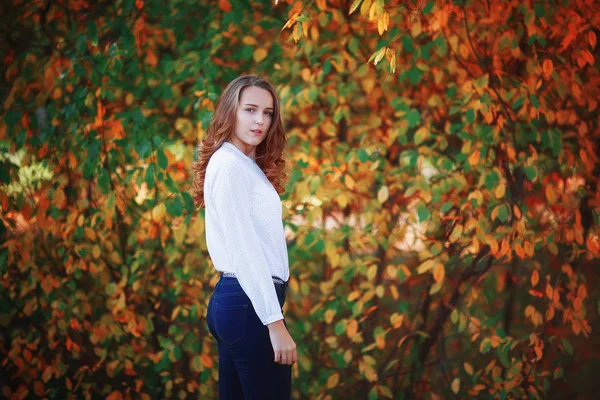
238,179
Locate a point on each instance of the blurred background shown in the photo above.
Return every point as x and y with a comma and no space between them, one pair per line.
442,207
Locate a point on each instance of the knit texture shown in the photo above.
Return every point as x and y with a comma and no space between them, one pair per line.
244,229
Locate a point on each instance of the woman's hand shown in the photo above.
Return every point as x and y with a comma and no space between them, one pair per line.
283,344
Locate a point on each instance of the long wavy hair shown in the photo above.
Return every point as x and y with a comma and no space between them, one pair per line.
269,153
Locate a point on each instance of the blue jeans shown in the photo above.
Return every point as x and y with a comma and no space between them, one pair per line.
247,369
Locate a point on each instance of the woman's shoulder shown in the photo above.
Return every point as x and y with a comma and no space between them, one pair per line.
223,160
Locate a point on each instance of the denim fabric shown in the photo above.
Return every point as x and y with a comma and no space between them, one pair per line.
246,367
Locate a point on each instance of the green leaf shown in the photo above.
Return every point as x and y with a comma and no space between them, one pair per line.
363,156
174,207
503,213
567,346
143,148
407,43
540,9
491,180
161,159
517,104
428,7
150,176
503,355
534,101
423,212
413,117
446,206
188,202
104,180
340,327
111,288
530,172
470,115
92,31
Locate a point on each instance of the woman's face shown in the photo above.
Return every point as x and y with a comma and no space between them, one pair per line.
254,118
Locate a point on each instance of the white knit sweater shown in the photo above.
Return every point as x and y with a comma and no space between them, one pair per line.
244,230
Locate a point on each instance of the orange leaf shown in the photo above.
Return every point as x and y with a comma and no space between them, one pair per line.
139,4
551,194
206,361
547,68
535,277
352,328
474,158
535,293
592,39
519,251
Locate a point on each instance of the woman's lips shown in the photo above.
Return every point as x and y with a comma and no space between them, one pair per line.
256,132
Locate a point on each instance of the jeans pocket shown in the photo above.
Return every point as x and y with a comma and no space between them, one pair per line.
209,318
230,314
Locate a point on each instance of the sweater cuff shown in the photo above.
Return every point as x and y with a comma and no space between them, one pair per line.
272,318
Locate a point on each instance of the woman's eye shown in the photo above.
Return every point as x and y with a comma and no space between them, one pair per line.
269,113
250,109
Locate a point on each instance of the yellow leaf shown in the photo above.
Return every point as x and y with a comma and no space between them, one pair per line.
96,251
456,233
383,194
426,266
421,135
366,6
468,368
322,4
456,385
393,64
396,320
500,190
370,374
329,314
436,287
333,381
259,54
158,212
196,364
372,272
90,233
379,55
353,295
249,40
439,272
349,181
354,6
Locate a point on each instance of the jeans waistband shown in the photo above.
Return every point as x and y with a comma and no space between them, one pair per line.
229,282
276,280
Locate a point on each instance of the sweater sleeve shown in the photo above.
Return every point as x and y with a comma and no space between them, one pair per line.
232,199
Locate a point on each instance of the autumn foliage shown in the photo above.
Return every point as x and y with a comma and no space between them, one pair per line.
442,211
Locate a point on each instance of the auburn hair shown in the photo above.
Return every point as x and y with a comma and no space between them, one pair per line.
268,154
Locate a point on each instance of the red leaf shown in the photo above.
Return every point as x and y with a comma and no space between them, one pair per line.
225,5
